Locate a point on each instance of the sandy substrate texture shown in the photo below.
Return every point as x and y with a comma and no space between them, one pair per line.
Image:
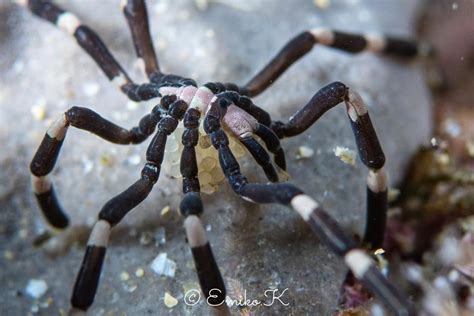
257,248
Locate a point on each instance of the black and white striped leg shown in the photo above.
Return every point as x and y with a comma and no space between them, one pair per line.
210,279
261,157
115,210
272,142
136,14
40,167
301,44
321,222
46,156
94,46
370,151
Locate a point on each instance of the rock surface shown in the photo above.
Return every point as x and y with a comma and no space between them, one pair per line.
43,72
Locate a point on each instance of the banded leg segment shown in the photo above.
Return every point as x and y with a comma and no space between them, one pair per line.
191,208
368,145
115,210
94,46
47,154
327,229
135,12
301,44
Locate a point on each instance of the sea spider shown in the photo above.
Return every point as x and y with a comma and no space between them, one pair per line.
226,109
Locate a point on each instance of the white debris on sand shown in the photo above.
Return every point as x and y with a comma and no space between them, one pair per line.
36,288
304,152
124,276
165,211
139,272
161,265
345,154
170,300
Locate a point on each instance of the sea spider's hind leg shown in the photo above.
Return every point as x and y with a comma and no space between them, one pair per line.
368,145
191,208
46,156
115,209
325,227
301,44
94,46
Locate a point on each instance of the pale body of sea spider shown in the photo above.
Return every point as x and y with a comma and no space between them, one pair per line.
210,114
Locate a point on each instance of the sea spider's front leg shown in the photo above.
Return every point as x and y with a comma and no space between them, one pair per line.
116,208
46,156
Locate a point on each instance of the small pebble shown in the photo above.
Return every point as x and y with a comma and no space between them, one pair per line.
165,210
161,265
139,272
124,276
36,288
304,152
170,301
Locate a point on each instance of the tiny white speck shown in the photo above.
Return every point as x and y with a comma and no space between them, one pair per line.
455,6
322,4
161,7
124,276
132,105
304,152
36,288
39,110
134,160
91,89
139,272
129,287
452,127
34,308
160,236
87,165
345,154
210,33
